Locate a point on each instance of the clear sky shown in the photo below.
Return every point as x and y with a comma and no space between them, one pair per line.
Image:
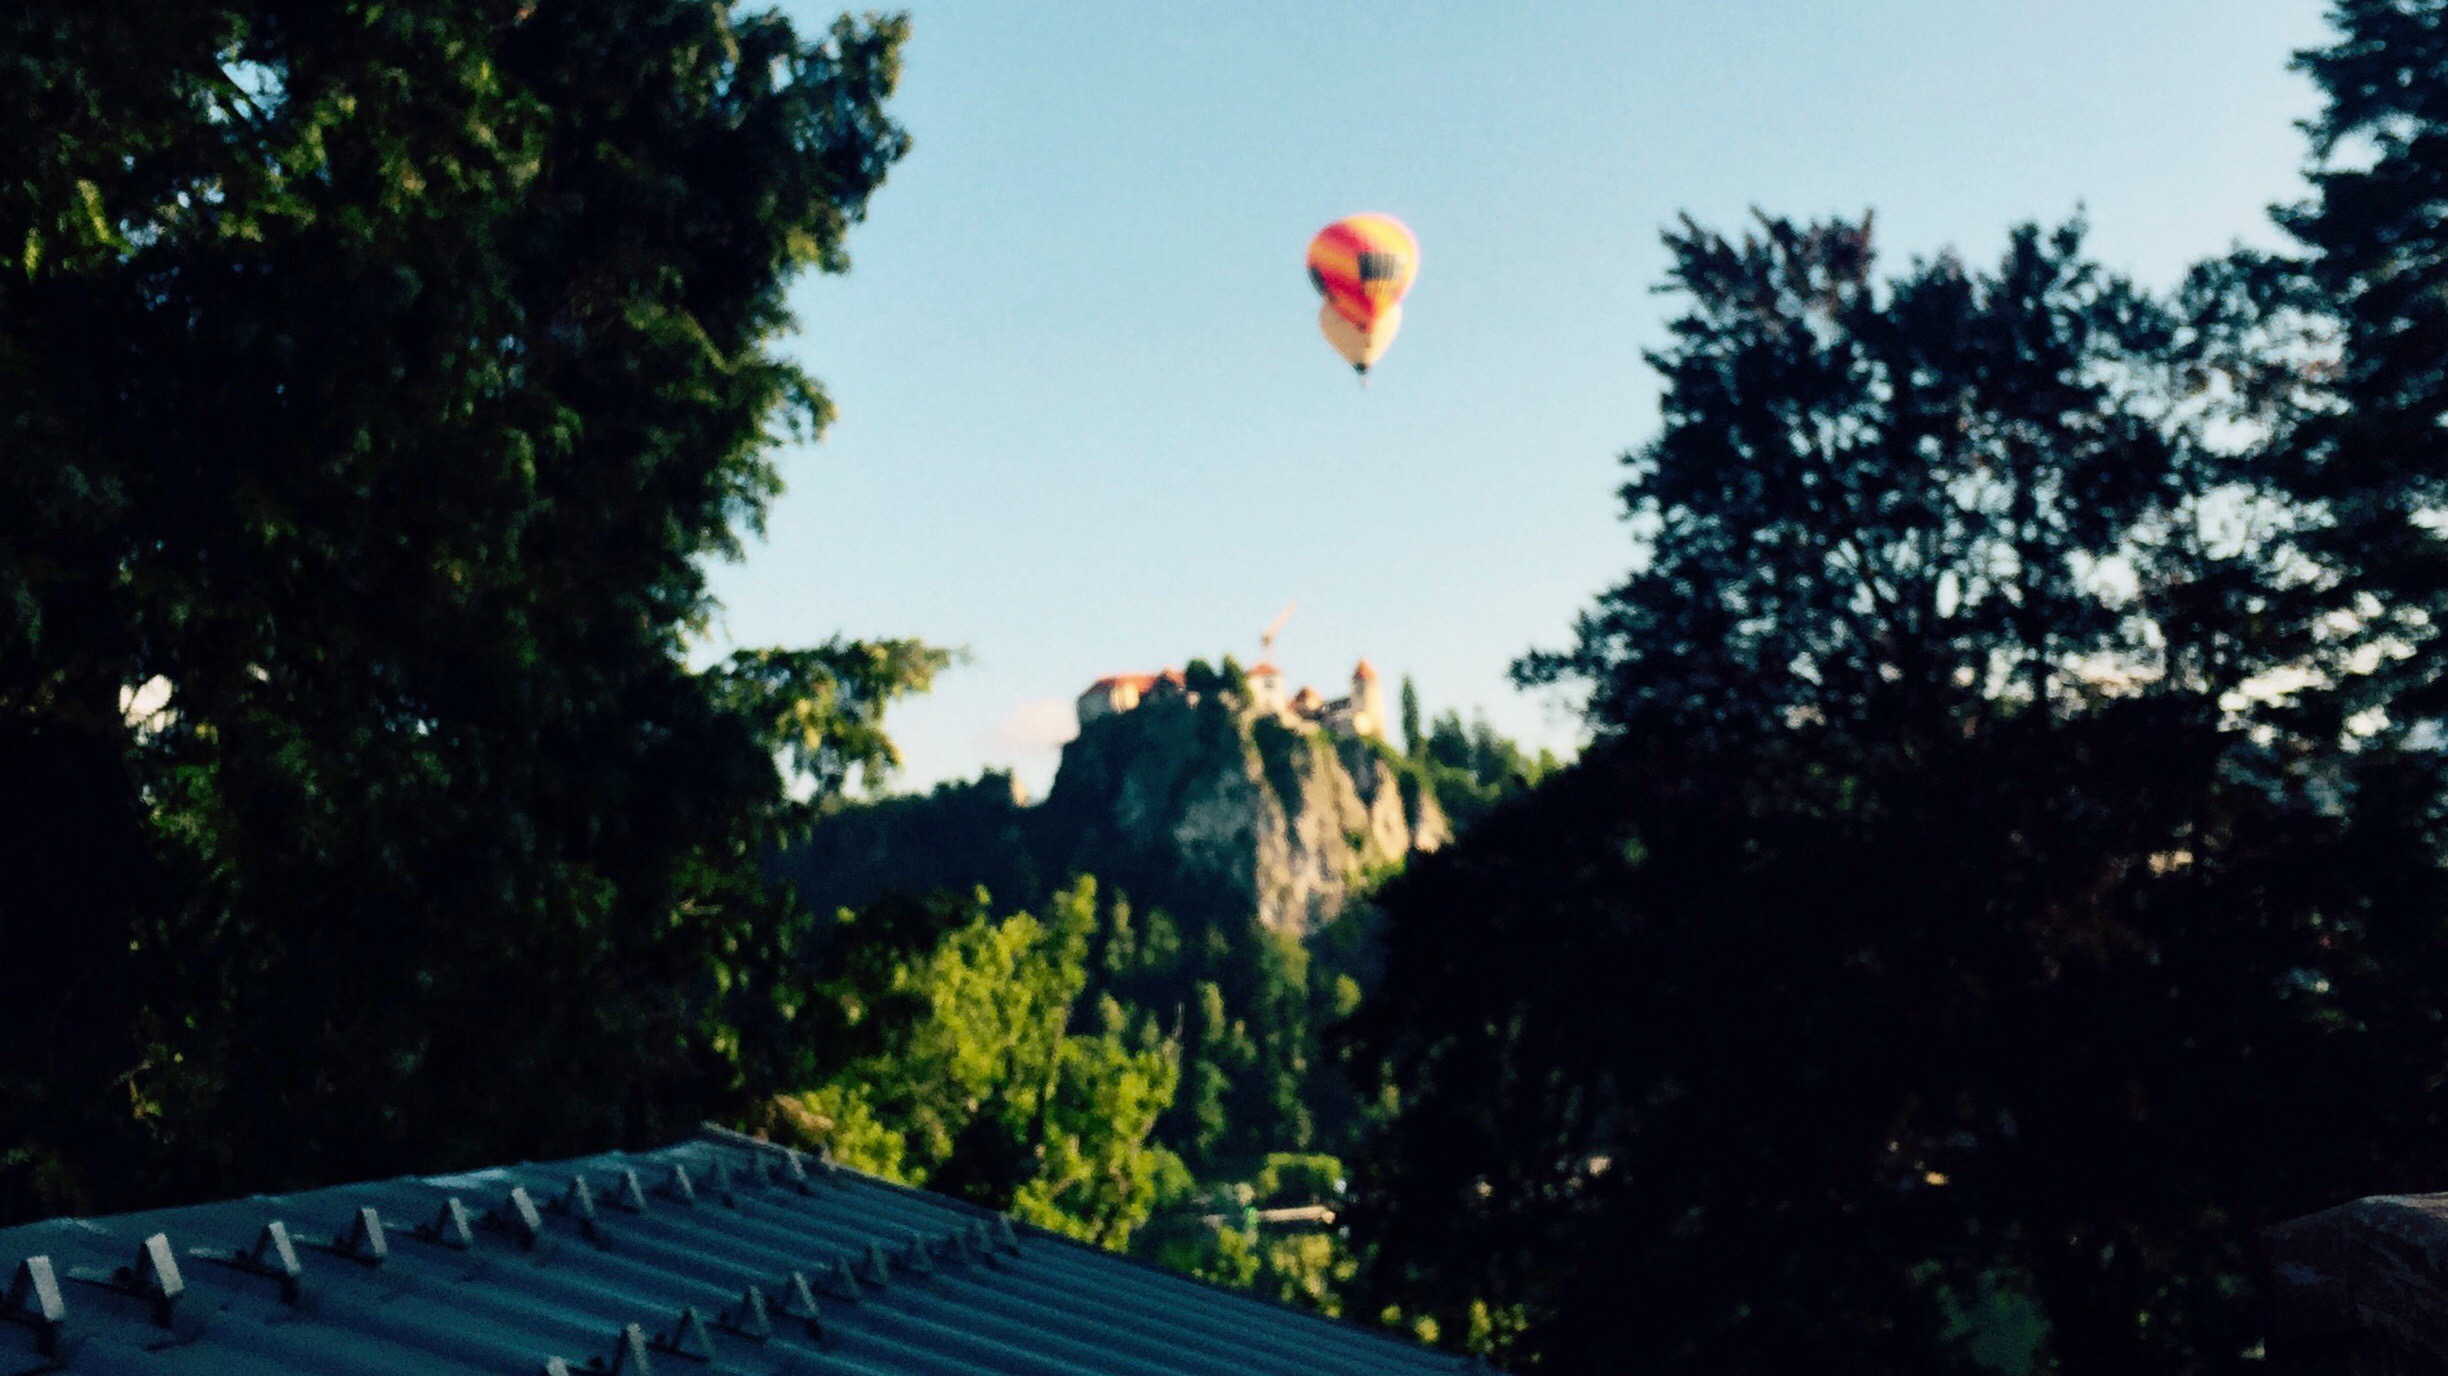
1086,421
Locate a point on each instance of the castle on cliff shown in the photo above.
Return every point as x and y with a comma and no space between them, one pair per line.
1362,713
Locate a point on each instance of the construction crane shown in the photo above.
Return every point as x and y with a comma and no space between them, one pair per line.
1266,638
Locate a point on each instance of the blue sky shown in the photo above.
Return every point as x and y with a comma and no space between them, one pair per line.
1086,421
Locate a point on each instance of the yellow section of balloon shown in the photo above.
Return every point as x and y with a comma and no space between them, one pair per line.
1360,348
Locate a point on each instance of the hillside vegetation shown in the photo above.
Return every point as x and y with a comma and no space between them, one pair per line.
1187,914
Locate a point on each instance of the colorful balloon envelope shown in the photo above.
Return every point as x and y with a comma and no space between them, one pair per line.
1362,265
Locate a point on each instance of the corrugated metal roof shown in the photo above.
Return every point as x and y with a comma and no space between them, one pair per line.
715,1255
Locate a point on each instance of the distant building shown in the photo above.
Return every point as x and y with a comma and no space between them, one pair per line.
1113,693
1122,692
1368,695
1266,686
1361,713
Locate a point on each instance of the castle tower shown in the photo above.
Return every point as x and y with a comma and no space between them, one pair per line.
1266,686
1367,701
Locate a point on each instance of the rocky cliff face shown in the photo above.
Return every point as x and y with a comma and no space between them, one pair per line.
1286,824
1200,807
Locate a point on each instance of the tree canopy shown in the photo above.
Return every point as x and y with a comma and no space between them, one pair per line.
377,379
2372,460
1961,937
959,1050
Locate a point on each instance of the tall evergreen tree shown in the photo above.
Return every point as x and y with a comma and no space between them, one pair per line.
2375,460
376,380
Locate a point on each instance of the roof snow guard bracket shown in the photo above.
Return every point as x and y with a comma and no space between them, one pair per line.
688,1337
274,1256
33,1300
450,1227
775,1163
985,1246
629,1196
578,1202
628,1356
363,1243
791,1170
953,1247
799,1302
517,1216
839,1278
678,1186
749,1318
152,1277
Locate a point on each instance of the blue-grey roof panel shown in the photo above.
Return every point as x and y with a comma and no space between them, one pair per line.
713,1256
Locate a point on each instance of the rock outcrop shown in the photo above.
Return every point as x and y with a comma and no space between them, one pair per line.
1190,803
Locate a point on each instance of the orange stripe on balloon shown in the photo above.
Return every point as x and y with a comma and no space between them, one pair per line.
1357,309
1335,260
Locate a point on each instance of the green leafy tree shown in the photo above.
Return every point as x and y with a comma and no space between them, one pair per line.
1787,584
1274,1233
823,708
377,380
1472,767
1933,963
981,1069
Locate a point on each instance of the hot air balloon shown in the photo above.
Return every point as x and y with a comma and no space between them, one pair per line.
1362,265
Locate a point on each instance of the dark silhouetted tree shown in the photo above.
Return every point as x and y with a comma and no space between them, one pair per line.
377,380
2375,459
1938,958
